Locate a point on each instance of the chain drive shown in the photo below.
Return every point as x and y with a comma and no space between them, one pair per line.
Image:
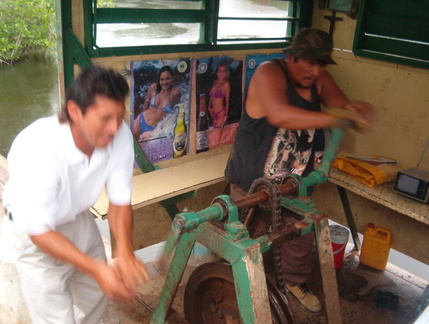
268,214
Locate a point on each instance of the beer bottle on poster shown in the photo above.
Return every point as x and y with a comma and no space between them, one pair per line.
202,136
180,133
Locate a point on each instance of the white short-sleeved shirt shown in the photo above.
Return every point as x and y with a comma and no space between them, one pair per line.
51,180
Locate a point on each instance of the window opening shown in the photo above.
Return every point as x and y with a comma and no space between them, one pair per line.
142,26
393,30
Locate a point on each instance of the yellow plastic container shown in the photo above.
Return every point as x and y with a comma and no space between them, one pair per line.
375,247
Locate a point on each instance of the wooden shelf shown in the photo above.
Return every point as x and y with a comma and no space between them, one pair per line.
153,187
383,195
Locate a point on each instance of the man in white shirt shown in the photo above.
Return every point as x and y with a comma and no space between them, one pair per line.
58,167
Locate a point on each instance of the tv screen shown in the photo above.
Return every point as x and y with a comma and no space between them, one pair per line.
408,184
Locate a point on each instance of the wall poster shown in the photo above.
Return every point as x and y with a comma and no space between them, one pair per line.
160,107
219,95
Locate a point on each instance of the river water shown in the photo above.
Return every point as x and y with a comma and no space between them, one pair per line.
28,91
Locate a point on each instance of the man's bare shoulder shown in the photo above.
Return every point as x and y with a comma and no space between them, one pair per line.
325,76
269,70
270,66
325,80
267,84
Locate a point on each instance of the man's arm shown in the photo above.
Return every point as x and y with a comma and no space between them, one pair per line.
131,270
329,92
332,96
60,248
267,98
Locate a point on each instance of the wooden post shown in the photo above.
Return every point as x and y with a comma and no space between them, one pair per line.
326,261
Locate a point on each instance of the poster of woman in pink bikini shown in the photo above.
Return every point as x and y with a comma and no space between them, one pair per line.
159,89
219,85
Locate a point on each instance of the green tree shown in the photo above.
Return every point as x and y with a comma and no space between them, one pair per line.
26,26
105,4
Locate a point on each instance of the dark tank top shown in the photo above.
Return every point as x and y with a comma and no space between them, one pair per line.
262,150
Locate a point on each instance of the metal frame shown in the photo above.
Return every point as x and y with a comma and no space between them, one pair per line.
231,241
233,244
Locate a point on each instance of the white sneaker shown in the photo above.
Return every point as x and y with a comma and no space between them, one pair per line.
305,297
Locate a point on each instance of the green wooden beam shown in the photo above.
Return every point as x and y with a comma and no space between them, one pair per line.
75,52
125,15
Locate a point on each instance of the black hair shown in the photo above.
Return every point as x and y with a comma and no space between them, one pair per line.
92,82
165,68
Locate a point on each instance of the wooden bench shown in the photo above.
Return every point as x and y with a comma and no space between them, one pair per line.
382,194
170,182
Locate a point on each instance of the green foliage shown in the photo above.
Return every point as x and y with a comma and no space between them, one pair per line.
26,26
105,4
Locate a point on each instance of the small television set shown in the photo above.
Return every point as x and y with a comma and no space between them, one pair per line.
413,183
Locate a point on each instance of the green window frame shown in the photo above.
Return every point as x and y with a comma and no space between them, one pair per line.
393,30
208,17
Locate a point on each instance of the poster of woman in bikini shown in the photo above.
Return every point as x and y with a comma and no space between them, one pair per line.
159,90
219,84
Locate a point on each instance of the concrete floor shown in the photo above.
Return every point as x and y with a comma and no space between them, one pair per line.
367,296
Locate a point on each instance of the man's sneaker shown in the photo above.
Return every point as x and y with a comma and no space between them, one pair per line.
305,297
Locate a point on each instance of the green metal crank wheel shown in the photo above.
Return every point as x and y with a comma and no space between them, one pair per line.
210,297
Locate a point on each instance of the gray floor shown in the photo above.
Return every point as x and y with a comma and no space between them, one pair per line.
370,296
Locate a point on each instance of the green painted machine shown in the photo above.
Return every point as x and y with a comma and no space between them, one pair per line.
241,232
